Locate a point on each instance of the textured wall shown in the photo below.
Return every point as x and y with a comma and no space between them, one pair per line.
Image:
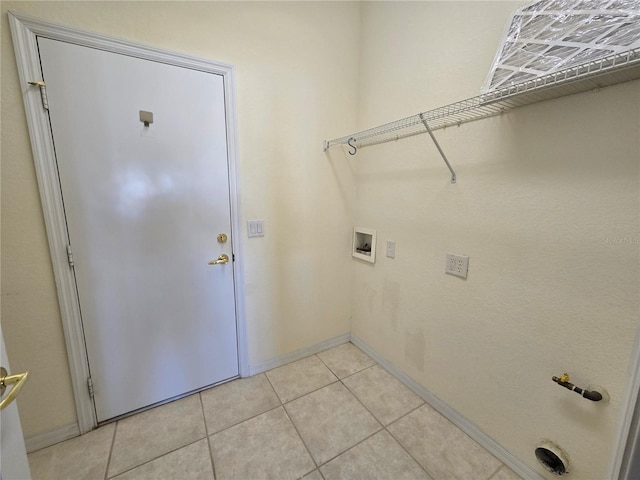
295,84
546,206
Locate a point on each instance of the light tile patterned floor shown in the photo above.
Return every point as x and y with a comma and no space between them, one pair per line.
336,415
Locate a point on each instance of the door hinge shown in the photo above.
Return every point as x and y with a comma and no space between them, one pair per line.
90,387
43,93
70,256
233,257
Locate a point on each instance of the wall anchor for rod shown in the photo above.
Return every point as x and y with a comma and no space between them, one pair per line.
444,157
593,393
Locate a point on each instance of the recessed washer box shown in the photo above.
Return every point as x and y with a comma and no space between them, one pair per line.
364,244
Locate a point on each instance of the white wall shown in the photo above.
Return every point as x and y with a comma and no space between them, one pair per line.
546,206
296,84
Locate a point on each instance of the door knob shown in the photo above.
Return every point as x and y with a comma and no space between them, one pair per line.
221,260
16,380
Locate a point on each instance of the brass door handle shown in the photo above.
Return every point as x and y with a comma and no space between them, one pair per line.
17,381
221,260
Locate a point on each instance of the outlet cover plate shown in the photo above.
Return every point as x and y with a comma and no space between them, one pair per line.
457,265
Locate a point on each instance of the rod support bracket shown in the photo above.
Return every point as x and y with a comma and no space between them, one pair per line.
435,142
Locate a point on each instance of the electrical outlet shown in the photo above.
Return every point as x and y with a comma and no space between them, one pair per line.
457,265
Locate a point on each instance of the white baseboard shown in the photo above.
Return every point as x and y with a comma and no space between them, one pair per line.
43,440
298,354
454,417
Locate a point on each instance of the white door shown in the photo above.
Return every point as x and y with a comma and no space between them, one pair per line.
144,206
13,456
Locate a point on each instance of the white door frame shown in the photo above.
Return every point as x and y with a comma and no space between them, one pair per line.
24,30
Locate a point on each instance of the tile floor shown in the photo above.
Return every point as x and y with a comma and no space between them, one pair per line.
334,415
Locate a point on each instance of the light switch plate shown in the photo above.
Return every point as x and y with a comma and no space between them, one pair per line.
255,228
391,249
457,265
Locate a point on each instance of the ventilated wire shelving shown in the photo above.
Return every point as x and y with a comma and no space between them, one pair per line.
610,70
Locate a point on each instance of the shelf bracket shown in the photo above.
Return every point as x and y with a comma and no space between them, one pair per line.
444,157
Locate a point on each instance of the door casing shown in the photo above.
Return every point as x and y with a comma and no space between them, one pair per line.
25,30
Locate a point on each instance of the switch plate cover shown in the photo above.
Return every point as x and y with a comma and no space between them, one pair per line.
255,228
391,249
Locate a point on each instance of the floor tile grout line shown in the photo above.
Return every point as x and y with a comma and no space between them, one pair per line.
307,393
252,416
351,374
165,453
296,429
424,469
496,472
208,435
272,388
362,404
294,361
320,473
113,442
156,458
359,371
325,364
206,432
384,427
310,392
245,420
367,408
337,379
302,440
352,447
402,445
340,380
416,460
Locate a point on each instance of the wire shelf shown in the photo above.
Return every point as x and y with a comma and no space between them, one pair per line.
610,70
